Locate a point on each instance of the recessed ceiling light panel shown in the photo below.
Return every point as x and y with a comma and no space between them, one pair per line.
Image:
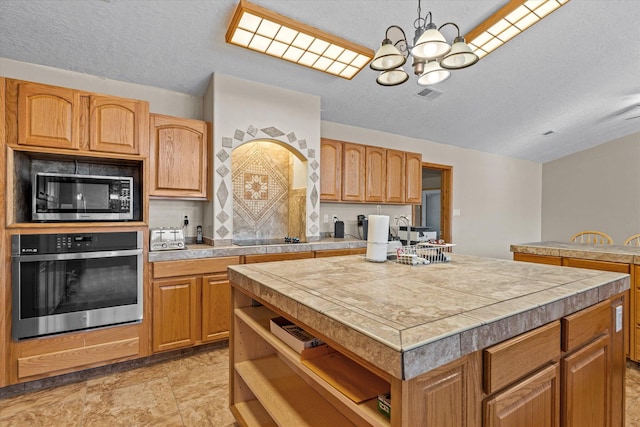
262,30
512,19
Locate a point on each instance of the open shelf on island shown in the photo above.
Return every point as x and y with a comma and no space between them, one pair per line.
278,378
292,402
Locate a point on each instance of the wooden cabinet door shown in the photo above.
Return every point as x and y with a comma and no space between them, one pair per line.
48,116
395,176
178,157
175,313
117,125
585,384
216,307
353,172
413,173
534,401
330,170
376,170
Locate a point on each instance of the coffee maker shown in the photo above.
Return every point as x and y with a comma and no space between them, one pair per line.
363,226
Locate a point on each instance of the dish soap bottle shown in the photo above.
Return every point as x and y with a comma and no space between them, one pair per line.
185,227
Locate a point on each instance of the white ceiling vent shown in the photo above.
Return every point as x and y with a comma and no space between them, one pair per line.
429,94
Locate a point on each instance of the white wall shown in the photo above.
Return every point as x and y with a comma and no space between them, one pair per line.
595,189
499,198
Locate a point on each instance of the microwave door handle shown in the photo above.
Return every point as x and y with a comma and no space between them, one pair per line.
76,255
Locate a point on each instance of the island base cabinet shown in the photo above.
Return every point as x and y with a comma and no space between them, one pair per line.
577,381
532,402
586,387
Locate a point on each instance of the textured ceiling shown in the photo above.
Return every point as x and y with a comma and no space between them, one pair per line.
576,73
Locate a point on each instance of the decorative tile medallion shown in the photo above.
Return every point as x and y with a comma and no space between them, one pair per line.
256,187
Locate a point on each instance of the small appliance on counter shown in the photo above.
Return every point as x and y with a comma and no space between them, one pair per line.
199,239
166,239
414,235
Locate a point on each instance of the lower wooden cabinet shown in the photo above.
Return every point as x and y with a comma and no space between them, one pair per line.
534,401
585,383
193,307
43,357
175,312
581,387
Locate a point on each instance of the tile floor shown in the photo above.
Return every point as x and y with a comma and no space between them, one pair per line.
191,391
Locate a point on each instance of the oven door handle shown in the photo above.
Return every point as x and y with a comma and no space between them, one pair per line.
76,255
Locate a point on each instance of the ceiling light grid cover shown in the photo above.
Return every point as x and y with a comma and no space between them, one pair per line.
262,30
512,19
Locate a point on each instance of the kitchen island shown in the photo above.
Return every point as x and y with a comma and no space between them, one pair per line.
470,342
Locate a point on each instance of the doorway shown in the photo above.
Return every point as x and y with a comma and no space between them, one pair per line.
436,208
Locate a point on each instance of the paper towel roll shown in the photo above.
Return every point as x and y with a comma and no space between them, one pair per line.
378,229
376,252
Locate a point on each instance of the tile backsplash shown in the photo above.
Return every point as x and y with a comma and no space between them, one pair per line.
262,192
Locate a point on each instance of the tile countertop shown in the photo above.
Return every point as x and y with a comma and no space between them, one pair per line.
408,320
612,253
208,251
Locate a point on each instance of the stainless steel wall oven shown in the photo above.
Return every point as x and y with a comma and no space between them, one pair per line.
68,282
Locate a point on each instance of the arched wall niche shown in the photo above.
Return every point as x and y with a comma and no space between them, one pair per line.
256,213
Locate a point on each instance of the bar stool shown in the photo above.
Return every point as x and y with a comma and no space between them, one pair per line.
592,237
633,240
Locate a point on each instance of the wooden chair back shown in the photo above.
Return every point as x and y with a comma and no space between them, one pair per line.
633,240
592,238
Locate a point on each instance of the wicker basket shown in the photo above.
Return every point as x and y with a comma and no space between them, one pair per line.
424,253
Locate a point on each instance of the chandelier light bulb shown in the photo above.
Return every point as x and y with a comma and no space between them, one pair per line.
433,74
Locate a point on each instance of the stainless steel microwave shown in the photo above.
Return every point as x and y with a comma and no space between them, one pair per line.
70,197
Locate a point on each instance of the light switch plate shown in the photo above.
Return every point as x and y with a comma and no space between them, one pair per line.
618,318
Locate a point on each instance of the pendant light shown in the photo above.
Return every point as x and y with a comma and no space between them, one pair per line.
433,56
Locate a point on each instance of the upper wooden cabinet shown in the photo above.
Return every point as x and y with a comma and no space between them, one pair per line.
395,176
330,170
413,174
116,125
178,157
48,116
376,167
60,118
361,173
353,172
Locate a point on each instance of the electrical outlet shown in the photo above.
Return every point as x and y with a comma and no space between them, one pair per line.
326,219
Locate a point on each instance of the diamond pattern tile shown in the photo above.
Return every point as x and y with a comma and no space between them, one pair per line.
314,177
311,153
314,165
227,142
222,231
222,194
272,132
292,137
252,131
222,216
223,171
302,144
314,216
239,135
222,155
314,196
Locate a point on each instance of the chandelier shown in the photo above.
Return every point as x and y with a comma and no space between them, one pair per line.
432,56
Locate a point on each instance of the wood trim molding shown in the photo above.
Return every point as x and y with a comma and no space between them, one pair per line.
446,207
